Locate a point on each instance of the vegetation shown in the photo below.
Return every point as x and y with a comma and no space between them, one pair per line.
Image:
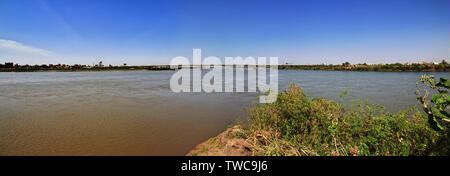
437,107
346,66
298,125
397,67
10,67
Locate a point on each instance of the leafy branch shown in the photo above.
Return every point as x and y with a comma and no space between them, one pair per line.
436,107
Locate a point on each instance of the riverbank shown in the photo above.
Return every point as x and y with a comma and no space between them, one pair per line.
395,67
226,143
296,125
79,68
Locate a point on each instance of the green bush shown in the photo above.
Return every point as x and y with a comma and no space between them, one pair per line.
298,125
436,107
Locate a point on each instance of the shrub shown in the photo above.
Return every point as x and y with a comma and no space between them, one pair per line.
436,107
298,125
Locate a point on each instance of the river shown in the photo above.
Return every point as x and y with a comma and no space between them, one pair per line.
136,113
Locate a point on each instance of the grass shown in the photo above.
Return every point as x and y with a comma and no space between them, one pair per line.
299,125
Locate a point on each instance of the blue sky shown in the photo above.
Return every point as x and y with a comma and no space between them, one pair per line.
141,32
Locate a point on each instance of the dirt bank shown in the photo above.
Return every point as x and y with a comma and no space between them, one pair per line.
227,143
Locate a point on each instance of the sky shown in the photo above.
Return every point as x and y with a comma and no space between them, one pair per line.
144,32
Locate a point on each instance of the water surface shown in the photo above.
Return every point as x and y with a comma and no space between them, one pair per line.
135,112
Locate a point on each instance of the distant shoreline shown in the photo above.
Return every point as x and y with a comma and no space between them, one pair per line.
396,67
132,70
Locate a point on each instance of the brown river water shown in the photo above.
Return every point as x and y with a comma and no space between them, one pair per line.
135,112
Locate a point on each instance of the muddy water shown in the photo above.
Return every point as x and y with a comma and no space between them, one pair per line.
135,113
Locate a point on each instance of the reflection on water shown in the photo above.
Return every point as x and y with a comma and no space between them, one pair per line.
135,113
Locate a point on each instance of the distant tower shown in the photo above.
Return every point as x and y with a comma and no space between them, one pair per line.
100,64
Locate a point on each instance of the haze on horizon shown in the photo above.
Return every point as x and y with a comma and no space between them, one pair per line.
143,32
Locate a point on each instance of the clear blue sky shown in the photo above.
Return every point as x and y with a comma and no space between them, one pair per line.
154,31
